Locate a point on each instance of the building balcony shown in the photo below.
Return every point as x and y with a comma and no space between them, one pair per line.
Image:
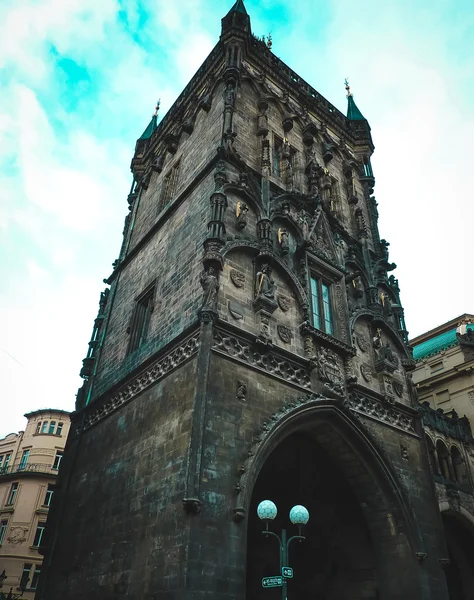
28,470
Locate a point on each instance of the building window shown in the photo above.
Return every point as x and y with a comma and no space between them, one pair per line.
25,576
59,429
52,425
141,319
36,574
49,495
3,530
12,494
367,167
57,459
321,305
7,460
39,534
170,183
45,427
38,427
24,459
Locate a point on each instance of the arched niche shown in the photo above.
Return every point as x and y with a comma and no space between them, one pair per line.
444,460
459,535
318,445
242,214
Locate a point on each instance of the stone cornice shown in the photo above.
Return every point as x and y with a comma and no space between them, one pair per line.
167,361
242,347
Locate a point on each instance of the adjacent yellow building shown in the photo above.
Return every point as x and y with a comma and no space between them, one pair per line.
29,464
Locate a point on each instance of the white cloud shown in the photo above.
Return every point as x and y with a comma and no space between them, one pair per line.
65,150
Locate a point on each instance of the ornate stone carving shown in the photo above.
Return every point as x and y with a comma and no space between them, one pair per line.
388,390
329,371
237,278
398,387
241,390
362,343
155,372
235,310
404,452
283,302
17,535
373,408
270,362
285,333
366,373
341,312
212,254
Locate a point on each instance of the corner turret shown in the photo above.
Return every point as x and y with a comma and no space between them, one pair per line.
237,18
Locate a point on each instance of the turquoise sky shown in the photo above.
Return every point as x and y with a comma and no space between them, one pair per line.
78,84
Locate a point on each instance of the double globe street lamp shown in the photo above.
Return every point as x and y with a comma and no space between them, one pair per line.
299,515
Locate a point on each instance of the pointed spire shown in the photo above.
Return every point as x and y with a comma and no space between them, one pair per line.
353,113
238,7
236,18
152,124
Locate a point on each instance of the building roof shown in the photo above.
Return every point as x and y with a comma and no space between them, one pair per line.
353,113
150,129
440,338
45,410
238,7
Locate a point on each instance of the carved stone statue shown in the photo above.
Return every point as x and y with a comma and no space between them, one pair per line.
229,95
265,286
241,214
284,240
210,286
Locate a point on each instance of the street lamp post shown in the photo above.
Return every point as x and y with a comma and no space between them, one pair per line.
299,515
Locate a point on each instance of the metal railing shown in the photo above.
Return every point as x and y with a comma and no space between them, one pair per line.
28,468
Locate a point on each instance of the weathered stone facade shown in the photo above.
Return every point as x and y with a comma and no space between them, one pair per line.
273,330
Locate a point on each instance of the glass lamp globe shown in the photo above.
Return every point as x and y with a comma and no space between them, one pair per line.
299,515
267,510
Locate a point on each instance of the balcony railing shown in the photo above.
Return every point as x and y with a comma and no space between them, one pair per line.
28,468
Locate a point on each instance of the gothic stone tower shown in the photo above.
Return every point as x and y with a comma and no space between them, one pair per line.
252,345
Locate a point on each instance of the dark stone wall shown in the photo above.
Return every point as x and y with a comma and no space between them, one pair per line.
123,531
172,259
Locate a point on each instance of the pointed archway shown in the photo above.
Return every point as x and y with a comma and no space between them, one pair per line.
361,534
459,534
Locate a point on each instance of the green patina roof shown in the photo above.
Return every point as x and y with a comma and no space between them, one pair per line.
238,7
443,341
353,113
150,129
